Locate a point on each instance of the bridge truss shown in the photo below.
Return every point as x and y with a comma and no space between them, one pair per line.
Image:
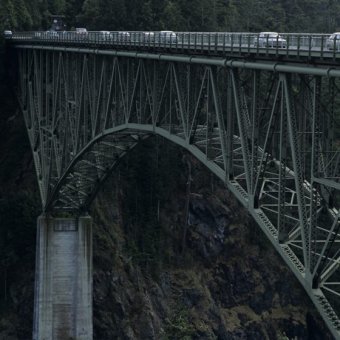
269,132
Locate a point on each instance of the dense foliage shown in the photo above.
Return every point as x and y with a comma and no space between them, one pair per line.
178,15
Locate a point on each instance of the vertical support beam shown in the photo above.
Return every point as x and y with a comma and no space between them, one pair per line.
63,287
296,158
219,116
255,138
281,222
182,111
314,173
230,129
241,112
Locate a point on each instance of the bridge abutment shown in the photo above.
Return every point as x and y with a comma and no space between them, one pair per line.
63,287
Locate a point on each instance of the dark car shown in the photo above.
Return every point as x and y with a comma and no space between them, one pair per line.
8,34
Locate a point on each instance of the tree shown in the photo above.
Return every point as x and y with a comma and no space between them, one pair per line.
144,19
172,17
24,18
8,15
57,6
72,10
90,14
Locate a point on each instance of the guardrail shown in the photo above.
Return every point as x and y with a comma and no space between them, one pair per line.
299,44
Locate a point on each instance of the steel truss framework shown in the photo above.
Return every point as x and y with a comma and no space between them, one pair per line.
272,137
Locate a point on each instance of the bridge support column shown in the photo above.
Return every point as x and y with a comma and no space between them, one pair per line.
63,282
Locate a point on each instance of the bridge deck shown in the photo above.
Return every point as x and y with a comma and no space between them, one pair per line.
297,47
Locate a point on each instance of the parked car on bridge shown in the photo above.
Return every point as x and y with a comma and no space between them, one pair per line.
270,39
67,35
333,42
81,33
49,35
8,34
167,37
81,30
148,36
121,36
103,35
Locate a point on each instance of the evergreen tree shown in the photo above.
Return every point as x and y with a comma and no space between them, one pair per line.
72,11
90,14
172,17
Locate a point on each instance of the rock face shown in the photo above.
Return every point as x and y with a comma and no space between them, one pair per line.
227,283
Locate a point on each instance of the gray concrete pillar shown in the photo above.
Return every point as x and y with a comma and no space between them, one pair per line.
63,279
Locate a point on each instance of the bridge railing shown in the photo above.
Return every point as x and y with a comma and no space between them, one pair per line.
214,42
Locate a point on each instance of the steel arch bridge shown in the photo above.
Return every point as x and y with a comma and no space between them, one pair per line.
268,129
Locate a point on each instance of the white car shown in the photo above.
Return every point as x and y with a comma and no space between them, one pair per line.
50,35
167,37
270,39
333,41
122,36
81,30
81,33
103,35
148,36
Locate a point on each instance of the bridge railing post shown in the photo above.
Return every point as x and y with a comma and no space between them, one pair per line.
322,46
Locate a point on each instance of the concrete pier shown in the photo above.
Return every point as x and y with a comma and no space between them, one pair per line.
63,281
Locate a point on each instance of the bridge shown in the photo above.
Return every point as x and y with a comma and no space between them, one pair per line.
263,117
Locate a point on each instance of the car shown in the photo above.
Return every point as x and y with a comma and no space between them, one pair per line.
8,34
57,23
81,33
50,35
67,35
270,39
81,30
168,37
148,36
122,36
103,35
333,41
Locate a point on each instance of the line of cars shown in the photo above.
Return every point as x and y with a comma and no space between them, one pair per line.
53,34
107,36
264,39
261,40
274,39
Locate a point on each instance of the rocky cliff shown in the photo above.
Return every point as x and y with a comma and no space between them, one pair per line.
226,283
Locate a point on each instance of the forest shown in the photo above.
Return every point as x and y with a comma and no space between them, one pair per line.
311,16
